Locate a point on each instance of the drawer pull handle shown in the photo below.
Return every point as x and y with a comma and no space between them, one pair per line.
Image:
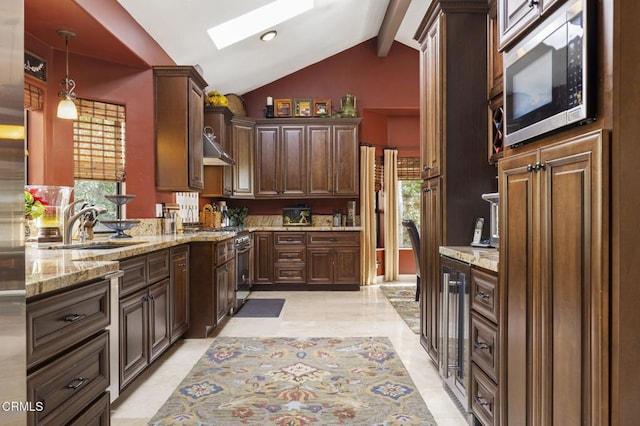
79,381
483,295
481,401
74,317
333,239
481,345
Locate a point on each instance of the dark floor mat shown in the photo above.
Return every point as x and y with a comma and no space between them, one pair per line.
255,308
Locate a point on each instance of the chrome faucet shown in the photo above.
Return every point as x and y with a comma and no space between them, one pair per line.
69,220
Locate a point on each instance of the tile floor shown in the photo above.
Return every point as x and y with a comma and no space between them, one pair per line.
316,314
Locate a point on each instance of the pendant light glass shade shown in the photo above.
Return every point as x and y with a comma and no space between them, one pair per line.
66,107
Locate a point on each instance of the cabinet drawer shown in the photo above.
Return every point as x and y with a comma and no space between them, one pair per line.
485,402
98,414
135,275
58,322
290,238
484,345
69,384
285,273
158,266
484,294
224,251
290,254
333,239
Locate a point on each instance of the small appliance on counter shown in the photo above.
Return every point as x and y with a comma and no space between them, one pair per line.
296,216
494,236
169,218
337,218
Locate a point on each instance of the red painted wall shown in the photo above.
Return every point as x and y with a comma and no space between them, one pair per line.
387,82
51,150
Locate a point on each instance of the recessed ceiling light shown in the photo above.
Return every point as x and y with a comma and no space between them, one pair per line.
269,35
256,21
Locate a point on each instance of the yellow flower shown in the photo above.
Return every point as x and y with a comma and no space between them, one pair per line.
214,98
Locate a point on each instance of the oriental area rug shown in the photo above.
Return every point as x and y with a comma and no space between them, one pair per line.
296,381
402,298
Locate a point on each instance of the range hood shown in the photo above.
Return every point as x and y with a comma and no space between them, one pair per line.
214,154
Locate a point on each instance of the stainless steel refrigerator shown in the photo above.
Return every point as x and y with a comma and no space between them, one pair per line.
12,179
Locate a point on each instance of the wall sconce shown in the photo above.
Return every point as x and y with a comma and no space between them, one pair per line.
66,107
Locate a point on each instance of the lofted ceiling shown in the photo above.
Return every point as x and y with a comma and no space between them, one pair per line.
179,29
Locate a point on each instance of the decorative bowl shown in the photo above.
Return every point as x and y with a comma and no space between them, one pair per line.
120,226
120,199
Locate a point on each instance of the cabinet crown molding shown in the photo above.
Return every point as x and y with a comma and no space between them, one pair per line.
448,6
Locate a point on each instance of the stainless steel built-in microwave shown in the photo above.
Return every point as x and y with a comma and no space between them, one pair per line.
547,75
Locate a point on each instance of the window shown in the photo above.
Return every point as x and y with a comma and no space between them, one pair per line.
99,155
408,208
408,196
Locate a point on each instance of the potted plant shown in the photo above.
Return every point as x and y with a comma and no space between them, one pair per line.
237,216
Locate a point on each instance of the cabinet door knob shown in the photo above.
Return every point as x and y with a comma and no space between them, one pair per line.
530,167
533,3
426,190
426,168
539,166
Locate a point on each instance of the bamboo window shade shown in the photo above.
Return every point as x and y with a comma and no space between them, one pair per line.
32,97
379,173
408,169
99,141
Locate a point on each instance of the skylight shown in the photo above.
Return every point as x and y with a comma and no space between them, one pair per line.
256,21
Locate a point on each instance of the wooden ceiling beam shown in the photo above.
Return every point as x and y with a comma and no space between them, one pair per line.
390,24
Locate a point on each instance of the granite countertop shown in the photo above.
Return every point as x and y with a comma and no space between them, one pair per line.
486,258
48,268
306,228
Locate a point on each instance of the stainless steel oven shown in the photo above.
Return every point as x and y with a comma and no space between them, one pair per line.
243,244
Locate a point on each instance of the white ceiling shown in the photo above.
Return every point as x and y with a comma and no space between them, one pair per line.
180,27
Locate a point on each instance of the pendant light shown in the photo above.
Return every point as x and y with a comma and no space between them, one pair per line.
66,107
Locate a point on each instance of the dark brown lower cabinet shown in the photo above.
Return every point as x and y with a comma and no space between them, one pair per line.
333,258
66,386
554,298
144,329
225,276
68,355
179,291
263,257
212,271
300,260
485,347
145,312
430,288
